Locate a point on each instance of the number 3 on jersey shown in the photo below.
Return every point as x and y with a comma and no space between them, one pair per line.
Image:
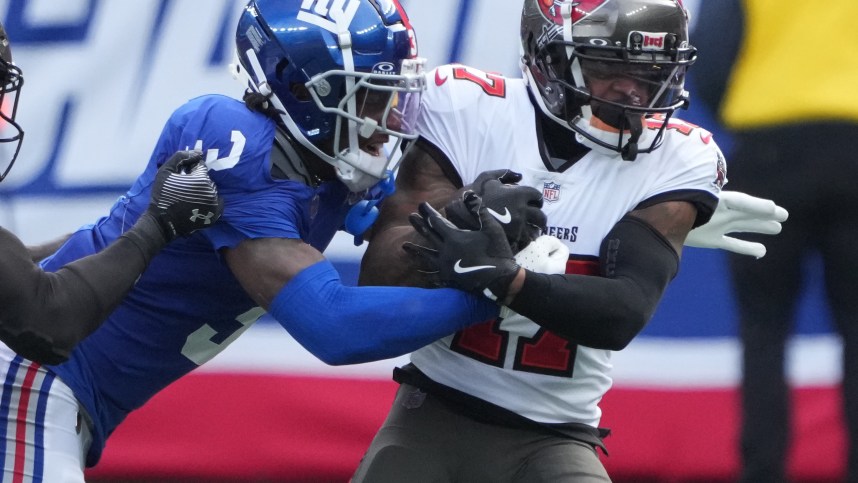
206,342
214,163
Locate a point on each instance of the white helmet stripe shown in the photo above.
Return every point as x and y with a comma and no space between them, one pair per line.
575,66
566,15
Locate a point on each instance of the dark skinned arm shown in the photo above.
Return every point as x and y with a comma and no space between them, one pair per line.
420,179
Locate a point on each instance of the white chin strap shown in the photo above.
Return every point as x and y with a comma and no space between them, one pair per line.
359,179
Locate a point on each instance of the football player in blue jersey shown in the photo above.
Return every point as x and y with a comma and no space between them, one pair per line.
44,314
303,154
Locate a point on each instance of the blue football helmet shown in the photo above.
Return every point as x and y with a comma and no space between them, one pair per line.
568,47
11,81
344,75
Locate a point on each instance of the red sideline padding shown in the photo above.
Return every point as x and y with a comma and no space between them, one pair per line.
231,427
676,436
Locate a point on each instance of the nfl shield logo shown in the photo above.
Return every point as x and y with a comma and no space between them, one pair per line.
550,191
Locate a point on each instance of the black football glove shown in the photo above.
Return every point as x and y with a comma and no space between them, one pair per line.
472,260
184,198
517,208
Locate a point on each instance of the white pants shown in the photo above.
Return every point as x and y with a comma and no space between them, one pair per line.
44,434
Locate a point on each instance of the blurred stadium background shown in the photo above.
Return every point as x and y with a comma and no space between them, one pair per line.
101,78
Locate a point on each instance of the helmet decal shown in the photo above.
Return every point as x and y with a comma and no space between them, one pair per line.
387,7
317,13
646,41
384,68
581,8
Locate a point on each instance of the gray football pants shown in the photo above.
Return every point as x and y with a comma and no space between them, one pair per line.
423,441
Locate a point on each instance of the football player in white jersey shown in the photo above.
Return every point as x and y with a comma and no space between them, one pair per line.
623,182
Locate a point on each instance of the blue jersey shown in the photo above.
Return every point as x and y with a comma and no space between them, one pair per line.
188,306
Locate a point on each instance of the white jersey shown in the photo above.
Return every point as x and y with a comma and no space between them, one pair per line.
483,121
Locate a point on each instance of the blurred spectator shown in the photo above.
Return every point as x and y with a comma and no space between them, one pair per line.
777,74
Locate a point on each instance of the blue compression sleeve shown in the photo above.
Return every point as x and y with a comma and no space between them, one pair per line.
350,325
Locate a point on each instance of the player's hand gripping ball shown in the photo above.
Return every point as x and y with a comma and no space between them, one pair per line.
479,261
517,208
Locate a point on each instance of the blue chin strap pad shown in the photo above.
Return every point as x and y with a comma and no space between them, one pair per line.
364,213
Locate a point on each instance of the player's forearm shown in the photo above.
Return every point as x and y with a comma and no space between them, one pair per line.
67,305
604,312
349,325
104,278
385,263
589,311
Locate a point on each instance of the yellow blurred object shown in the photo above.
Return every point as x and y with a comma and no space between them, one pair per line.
798,63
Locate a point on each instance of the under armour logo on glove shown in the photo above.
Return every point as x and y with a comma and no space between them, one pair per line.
207,218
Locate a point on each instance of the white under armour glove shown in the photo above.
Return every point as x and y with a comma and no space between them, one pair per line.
739,213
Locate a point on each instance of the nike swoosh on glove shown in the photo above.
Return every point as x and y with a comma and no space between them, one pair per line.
478,261
517,208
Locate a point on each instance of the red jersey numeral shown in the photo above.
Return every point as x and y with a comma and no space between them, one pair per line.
680,126
545,353
492,84
484,342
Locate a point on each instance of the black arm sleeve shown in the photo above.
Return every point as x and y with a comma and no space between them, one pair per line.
606,312
43,315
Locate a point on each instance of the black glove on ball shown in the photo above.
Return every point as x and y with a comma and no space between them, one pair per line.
517,208
472,260
184,198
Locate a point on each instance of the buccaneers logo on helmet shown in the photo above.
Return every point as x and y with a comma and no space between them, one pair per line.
580,9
